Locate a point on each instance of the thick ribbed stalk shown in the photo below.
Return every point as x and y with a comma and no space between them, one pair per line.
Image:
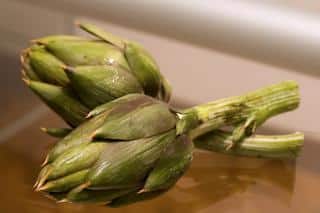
267,146
258,106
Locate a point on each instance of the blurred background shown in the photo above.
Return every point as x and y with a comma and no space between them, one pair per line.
207,50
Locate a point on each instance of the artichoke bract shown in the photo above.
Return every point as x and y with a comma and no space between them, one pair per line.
72,75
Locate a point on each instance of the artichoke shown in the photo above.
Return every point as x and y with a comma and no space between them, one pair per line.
72,75
128,146
137,147
126,143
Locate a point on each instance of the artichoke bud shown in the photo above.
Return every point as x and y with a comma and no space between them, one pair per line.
126,164
140,155
106,82
171,165
97,71
61,100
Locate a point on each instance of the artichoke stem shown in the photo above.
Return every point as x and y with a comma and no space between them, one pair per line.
257,106
265,146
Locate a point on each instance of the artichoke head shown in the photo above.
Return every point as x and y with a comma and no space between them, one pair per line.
127,150
73,75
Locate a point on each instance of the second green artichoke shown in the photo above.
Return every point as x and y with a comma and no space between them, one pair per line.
72,75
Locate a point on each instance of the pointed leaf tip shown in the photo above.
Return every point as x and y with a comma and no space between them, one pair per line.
42,188
56,132
39,41
23,73
26,81
106,36
22,55
65,200
42,178
143,190
45,161
68,69
89,115
95,134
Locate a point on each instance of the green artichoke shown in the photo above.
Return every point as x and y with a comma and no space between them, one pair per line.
130,145
125,143
72,75
137,147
